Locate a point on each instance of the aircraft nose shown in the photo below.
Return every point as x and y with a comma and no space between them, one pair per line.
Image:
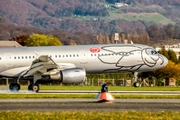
164,60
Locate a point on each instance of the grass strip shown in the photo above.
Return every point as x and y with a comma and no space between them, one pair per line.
91,115
111,88
21,96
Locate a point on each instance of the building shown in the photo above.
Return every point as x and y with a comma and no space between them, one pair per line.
9,44
118,5
175,48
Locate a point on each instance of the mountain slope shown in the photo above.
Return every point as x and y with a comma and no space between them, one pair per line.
90,16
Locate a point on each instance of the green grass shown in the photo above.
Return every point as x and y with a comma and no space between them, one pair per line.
91,115
90,96
153,17
97,88
115,14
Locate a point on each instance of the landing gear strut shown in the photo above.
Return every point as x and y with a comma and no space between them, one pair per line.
14,87
136,84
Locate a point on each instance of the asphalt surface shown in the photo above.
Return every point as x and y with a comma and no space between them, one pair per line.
90,104
93,92
152,105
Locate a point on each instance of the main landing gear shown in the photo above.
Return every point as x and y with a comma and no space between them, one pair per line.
15,87
136,84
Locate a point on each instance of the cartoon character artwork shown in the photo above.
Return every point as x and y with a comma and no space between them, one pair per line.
122,56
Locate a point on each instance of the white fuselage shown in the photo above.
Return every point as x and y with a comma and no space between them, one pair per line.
93,58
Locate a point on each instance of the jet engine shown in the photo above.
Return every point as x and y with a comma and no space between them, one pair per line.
69,75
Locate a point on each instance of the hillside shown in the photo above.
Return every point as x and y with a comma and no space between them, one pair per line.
82,20
9,30
90,16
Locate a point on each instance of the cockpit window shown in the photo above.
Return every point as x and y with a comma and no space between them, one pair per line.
154,52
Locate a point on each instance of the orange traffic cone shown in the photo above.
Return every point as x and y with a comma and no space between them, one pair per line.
104,96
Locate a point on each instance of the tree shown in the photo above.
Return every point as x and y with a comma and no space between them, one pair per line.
172,56
171,70
42,40
153,32
169,29
169,54
164,52
21,39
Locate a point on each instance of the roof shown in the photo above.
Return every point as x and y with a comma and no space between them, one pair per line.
9,44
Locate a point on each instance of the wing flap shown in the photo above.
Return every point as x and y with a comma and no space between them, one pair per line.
41,65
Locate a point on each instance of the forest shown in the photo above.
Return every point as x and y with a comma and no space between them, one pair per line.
91,16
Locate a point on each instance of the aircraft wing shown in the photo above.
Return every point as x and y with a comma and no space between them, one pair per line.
44,64
41,65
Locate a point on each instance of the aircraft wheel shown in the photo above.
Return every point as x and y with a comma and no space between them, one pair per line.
35,87
136,84
14,87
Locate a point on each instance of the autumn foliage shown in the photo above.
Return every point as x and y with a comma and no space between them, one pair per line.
42,40
171,70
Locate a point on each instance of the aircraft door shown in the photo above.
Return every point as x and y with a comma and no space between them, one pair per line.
83,58
9,60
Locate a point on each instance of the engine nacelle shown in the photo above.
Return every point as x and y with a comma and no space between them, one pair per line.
70,75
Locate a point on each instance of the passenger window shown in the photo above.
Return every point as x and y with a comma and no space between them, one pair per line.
14,58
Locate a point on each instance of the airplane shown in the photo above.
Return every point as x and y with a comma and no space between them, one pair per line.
70,64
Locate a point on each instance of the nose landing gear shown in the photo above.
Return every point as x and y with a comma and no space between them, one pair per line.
136,84
33,87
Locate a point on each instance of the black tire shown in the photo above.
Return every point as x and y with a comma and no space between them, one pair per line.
35,87
136,84
14,87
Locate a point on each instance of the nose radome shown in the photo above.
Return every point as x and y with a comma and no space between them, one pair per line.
165,61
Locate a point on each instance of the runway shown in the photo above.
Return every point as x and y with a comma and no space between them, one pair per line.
152,105
93,92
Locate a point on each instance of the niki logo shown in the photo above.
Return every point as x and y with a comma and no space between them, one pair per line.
94,50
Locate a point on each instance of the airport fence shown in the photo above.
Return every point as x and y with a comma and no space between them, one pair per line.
99,82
